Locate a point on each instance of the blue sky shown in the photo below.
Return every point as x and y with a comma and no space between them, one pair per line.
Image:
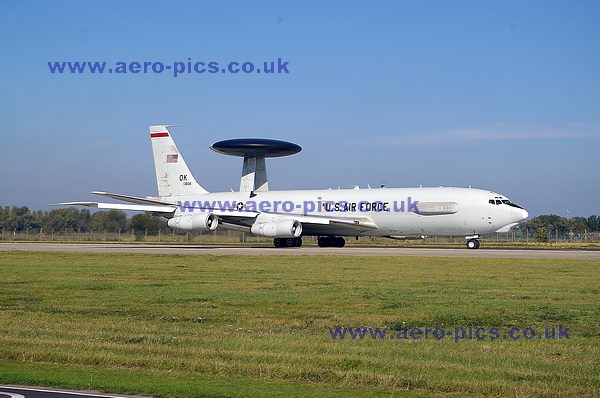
502,95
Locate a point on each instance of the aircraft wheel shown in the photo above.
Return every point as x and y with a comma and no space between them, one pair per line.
290,242
339,242
298,242
472,244
277,242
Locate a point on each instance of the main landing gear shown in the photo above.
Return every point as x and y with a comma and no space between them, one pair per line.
287,242
331,241
472,244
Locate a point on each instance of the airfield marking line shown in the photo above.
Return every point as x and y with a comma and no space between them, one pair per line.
212,249
51,391
11,395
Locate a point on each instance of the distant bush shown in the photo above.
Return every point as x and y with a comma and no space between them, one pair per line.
541,234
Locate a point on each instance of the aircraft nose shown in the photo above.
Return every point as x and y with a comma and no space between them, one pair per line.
519,215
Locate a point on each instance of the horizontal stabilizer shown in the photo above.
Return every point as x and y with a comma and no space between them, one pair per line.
119,206
132,199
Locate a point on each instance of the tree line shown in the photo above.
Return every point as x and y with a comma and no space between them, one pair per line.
22,218
552,222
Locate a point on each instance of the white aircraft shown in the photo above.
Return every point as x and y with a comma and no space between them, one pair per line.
286,216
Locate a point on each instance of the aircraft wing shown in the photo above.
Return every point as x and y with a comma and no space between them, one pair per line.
318,225
362,223
311,224
323,225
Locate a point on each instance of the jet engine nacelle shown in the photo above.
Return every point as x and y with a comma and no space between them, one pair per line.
201,222
278,229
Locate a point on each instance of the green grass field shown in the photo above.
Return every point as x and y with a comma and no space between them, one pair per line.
219,326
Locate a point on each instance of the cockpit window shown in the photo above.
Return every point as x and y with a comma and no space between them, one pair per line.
503,201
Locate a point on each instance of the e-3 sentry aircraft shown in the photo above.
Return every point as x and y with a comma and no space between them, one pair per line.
331,214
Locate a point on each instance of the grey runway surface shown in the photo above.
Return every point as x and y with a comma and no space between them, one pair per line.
35,392
307,250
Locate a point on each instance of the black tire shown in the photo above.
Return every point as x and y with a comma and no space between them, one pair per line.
298,242
277,242
290,242
472,244
331,241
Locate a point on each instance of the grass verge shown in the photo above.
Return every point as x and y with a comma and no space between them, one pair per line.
212,326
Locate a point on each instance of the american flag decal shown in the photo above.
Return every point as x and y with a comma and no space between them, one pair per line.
172,158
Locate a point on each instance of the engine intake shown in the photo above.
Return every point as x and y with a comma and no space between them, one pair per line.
201,222
278,229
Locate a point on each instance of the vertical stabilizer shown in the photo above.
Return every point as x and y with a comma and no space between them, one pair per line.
173,176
